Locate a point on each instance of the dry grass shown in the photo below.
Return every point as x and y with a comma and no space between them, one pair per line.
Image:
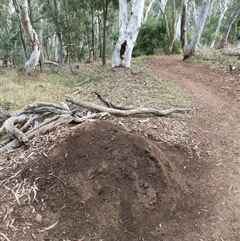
18,91
216,58
120,85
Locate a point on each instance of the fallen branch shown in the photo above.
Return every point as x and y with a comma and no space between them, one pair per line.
51,63
112,105
9,127
231,53
30,121
90,117
4,236
43,107
4,115
47,125
5,141
117,112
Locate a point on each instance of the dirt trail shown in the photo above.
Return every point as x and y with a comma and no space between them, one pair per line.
213,93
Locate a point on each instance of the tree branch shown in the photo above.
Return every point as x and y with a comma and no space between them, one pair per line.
43,107
47,125
117,112
4,115
9,127
112,105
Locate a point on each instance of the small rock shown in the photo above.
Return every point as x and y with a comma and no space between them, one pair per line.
38,218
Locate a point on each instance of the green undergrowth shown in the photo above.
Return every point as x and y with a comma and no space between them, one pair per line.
134,86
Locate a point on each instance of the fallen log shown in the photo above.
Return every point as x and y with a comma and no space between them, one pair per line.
4,115
231,53
47,125
51,63
43,107
9,127
133,111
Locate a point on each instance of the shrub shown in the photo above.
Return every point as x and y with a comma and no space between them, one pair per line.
152,39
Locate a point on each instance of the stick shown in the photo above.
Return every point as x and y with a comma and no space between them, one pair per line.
4,236
51,62
112,105
90,117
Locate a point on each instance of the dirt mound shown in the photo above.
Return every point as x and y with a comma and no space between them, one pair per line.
104,183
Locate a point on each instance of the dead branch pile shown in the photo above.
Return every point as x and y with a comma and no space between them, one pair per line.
41,117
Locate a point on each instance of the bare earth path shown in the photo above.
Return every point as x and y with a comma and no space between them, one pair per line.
214,94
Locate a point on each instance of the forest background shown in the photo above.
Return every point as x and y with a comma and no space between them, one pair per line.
71,31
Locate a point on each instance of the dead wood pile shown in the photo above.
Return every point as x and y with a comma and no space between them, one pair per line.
38,118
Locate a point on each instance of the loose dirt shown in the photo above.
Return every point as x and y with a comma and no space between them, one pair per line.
99,181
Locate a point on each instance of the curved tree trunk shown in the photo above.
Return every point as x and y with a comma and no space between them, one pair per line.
161,5
31,64
228,27
223,7
189,50
128,32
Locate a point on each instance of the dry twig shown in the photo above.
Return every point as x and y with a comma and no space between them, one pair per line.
4,236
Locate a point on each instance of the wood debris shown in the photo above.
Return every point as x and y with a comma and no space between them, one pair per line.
42,117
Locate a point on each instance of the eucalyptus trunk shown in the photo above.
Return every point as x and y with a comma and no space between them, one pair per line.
223,7
58,48
128,32
228,27
31,34
58,38
105,15
189,50
10,10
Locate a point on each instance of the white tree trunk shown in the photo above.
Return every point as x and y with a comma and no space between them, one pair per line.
9,15
40,34
178,26
31,64
228,26
128,31
148,9
211,11
58,48
195,11
58,38
223,7
190,49
10,10
162,6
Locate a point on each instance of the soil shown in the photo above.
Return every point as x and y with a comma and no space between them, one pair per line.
99,181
